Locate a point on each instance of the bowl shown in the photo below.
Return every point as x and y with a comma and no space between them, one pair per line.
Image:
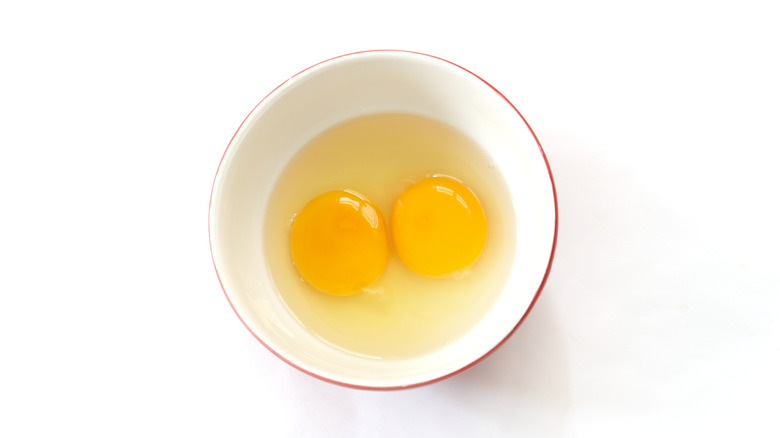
337,90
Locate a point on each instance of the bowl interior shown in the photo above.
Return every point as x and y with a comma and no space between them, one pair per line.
338,90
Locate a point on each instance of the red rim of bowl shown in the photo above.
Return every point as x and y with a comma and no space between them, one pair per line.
426,382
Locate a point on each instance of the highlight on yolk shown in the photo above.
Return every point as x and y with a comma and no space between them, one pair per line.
438,226
339,242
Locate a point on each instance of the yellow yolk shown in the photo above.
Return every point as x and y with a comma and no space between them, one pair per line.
438,226
339,242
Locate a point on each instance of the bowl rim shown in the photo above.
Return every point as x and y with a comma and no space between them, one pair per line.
425,382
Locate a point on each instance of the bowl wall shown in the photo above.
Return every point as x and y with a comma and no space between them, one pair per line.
332,92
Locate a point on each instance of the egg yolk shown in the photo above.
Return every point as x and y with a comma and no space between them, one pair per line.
438,226
339,242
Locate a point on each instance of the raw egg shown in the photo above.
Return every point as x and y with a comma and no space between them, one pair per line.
339,242
438,226
395,312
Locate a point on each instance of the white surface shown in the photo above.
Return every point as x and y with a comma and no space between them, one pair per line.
660,315
329,94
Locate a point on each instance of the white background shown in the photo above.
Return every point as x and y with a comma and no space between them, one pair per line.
660,122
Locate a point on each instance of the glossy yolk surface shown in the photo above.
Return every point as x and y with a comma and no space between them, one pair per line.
438,226
339,242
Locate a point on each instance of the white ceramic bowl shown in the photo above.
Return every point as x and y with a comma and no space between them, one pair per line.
334,91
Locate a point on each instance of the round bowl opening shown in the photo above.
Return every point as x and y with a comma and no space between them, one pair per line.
338,90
